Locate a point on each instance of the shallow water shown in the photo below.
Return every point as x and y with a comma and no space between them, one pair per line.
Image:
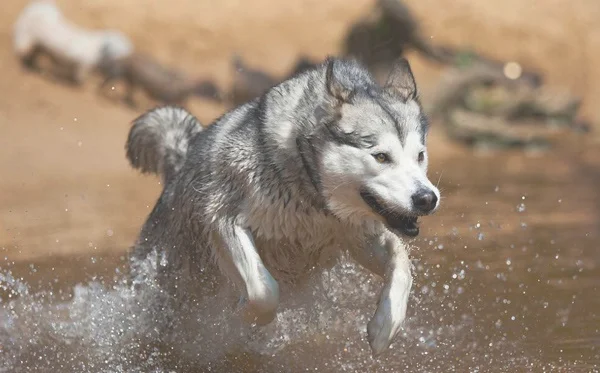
506,280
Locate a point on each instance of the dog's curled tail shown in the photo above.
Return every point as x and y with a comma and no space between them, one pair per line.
158,140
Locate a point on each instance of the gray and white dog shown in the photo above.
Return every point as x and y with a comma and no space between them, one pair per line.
324,162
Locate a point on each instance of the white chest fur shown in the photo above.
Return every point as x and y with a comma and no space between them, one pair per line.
292,240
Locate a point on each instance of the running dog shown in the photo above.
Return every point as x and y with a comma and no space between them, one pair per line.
325,162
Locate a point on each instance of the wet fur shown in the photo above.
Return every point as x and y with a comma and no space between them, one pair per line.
258,193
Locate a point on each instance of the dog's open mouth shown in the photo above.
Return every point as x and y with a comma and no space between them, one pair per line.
406,225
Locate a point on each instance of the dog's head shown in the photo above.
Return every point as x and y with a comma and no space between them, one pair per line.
370,148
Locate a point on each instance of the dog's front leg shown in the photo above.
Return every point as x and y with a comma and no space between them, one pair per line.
387,257
239,260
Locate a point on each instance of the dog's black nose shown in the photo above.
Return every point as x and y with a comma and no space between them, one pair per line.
424,200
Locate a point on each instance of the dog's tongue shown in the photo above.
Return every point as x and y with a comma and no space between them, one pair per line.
407,226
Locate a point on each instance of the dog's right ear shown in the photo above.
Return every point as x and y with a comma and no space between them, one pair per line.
401,81
335,87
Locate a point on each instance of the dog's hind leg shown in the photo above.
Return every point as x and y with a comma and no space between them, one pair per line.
29,60
386,256
239,260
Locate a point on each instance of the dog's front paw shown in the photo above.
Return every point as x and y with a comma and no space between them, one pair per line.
386,323
261,305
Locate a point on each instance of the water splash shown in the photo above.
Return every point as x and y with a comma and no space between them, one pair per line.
118,328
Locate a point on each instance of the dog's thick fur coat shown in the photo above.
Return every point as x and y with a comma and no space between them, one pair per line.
324,162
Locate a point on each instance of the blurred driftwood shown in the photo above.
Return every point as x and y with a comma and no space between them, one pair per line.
457,82
479,106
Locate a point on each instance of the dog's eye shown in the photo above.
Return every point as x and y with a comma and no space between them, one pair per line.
421,157
381,157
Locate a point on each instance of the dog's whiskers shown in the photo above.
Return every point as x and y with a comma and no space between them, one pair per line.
439,179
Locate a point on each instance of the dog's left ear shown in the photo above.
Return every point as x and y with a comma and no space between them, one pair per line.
401,82
334,86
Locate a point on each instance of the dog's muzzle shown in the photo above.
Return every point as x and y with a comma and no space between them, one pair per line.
407,225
